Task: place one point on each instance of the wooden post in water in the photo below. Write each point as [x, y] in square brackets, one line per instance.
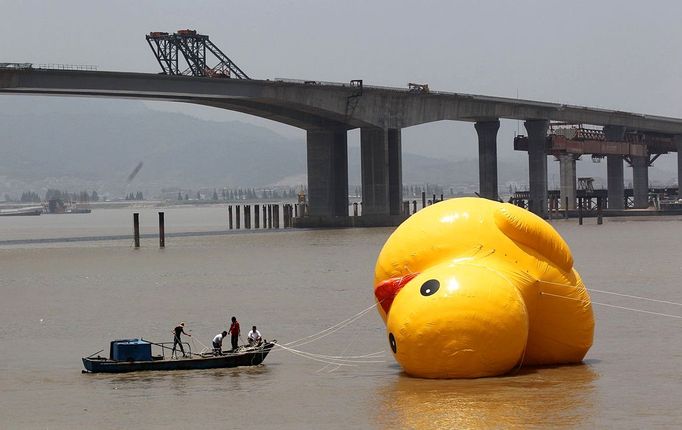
[238, 216]
[136, 229]
[162, 231]
[275, 209]
[423, 199]
[265, 216]
[434, 201]
[580, 211]
[247, 217]
[600, 221]
[414, 206]
[270, 216]
[441, 197]
[229, 216]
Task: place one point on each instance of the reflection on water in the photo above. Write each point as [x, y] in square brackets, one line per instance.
[182, 382]
[561, 396]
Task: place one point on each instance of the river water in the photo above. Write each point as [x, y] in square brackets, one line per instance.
[60, 301]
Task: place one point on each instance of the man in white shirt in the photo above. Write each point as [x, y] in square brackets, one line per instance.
[218, 343]
[254, 336]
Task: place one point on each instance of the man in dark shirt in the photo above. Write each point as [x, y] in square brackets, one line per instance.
[177, 331]
[234, 332]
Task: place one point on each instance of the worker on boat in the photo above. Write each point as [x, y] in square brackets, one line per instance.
[177, 331]
[254, 337]
[218, 343]
[234, 333]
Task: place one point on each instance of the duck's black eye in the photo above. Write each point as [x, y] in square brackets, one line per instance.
[429, 287]
[391, 340]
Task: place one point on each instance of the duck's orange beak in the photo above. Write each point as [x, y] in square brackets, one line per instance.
[386, 291]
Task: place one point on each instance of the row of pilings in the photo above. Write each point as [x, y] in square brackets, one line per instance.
[274, 216]
[265, 216]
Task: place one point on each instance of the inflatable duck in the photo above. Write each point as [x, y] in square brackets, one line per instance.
[471, 287]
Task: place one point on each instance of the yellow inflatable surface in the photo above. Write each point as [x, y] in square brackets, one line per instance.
[471, 287]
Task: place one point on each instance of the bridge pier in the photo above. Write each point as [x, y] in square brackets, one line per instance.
[614, 169]
[537, 165]
[678, 141]
[381, 165]
[567, 179]
[640, 181]
[327, 151]
[487, 158]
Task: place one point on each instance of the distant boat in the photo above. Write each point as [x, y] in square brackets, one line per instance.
[133, 355]
[57, 206]
[30, 211]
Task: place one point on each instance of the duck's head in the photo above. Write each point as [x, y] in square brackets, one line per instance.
[455, 319]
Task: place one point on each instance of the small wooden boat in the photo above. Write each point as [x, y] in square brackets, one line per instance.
[133, 355]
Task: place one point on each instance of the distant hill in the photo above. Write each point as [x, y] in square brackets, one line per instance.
[88, 144]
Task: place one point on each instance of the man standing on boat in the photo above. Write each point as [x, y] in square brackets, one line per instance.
[177, 331]
[218, 343]
[234, 333]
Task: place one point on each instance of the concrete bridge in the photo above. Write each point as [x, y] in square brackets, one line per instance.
[328, 110]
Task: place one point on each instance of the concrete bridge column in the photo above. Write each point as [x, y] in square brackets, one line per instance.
[614, 169]
[567, 179]
[395, 171]
[487, 158]
[382, 172]
[640, 181]
[327, 173]
[678, 141]
[375, 175]
[537, 164]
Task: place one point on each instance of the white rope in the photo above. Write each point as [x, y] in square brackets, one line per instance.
[326, 332]
[336, 362]
[614, 293]
[636, 297]
[613, 306]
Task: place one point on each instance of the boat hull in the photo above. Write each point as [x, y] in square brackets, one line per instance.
[250, 357]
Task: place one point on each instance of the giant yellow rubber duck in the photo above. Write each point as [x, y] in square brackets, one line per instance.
[471, 287]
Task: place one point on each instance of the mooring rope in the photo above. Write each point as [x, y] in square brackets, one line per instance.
[326, 332]
[612, 306]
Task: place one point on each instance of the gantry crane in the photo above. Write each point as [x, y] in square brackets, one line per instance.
[193, 47]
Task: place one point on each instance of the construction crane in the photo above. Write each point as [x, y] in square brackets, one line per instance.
[192, 47]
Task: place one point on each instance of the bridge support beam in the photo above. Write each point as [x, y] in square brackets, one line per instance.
[640, 181]
[327, 175]
[614, 169]
[678, 141]
[381, 165]
[567, 179]
[537, 165]
[395, 171]
[487, 158]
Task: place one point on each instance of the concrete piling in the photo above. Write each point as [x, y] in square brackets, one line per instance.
[136, 229]
[229, 216]
[237, 218]
[247, 217]
[162, 231]
[423, 199]
[256, 216]
[580, 211]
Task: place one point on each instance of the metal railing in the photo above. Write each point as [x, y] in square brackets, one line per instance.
[25, 66]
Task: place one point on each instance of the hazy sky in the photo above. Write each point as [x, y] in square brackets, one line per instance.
[625, 55]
